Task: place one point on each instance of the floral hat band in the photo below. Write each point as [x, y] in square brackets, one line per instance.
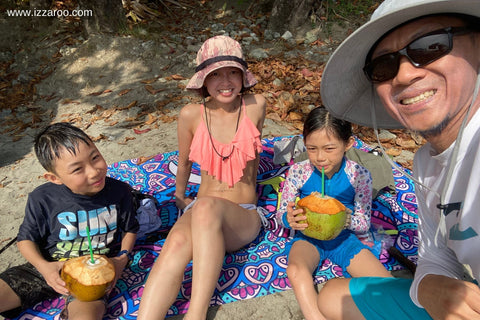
[213, 60]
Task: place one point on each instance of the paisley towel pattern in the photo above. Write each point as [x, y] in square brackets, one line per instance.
[256, 270]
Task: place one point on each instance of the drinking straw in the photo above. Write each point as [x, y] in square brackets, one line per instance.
[90, 246]
[323, 181]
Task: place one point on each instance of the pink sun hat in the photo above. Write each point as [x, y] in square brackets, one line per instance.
[215, 53]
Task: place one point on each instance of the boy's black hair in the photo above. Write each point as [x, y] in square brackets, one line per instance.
[50, 142]
[320, 118]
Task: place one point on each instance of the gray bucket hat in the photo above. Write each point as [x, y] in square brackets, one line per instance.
[345, 90]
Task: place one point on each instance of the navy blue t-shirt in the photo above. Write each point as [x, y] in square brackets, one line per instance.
[56, 219]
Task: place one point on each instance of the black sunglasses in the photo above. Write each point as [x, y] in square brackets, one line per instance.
[419, 52]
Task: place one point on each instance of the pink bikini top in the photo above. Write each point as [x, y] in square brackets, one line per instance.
[246, 143]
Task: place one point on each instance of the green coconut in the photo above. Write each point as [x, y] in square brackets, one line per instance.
[326, 216]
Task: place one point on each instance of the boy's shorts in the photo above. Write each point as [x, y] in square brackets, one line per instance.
[29, 285]
[385, 298]
[340, 250]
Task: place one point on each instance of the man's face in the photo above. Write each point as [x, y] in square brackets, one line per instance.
[427, 99]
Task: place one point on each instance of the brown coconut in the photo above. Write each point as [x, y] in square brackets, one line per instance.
[88, 281]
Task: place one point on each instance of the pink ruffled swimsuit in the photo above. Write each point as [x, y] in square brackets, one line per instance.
[246, 143]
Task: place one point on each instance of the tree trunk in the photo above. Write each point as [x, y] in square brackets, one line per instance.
[290, 14]
[40, 21]
[107, 16]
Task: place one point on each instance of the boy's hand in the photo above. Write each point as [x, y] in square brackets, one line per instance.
[51, 272]
[294, 216]
[119, 263]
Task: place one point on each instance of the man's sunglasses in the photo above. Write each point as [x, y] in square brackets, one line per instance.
[419, 52]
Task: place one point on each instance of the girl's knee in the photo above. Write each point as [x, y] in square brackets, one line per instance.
[295, 271]
[205, 212]
[177, 241]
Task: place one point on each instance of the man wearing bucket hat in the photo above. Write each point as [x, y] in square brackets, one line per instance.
[416, 64]
[222, 135]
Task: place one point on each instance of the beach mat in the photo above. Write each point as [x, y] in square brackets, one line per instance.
[258, 269]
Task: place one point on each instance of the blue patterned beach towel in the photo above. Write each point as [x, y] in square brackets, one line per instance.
[260, 268]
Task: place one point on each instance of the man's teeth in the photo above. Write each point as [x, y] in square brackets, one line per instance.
[418, 98]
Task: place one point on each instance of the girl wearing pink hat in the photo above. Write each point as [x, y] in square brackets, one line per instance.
[222, 135]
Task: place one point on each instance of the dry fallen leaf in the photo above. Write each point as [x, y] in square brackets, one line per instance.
[394, 152]
[100, 137]
[95, 109]
[307, 73]
[67, 101]
[124, 92]
[177, 77]
[152, 90]
[405, 143]
[100, 92]
[295, 116]
[151, 119]
[285, 103]
[273, 116]
[131, 104]
[144, 159]
[108, 113]
[148, 81]
[124, 142]
[168, 119]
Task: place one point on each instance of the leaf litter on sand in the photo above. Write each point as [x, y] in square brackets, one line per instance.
[290, 85]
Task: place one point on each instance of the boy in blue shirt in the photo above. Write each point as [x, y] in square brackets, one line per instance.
[78, 194]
